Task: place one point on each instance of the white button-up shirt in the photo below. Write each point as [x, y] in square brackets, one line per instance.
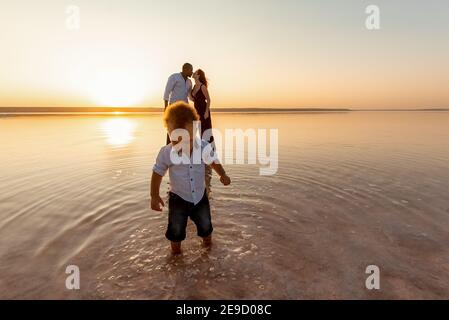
[187, 179]
[177, 89]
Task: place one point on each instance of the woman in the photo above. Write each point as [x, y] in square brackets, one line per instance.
[201, 98]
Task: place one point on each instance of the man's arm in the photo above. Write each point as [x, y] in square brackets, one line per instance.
[156, 201]
[168, 90]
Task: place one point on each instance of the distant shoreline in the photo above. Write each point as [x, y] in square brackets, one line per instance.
[106, 111]
[153, 110]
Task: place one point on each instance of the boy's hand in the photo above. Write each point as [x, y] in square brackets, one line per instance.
[157, 203]
[225, 180]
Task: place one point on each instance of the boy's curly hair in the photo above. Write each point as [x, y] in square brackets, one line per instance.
[179, 114]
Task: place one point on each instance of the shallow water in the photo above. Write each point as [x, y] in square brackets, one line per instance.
[352, 189]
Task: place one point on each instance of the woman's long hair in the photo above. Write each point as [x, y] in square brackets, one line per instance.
[202, 76]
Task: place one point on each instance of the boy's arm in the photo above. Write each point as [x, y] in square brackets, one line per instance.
[218, 168]
[156, 201]
[159, 170]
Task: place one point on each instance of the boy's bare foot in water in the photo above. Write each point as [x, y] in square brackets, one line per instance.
[207, 241]
[176, 247]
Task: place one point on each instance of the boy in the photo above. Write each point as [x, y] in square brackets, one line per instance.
[187, 196]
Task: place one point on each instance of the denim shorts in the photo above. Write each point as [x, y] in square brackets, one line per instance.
[179, 210]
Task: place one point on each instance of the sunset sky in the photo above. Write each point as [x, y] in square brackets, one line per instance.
[264, 53]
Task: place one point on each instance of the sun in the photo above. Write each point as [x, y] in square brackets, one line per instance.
[117, 88]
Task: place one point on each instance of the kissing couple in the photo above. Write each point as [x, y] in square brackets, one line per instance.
[179, 88]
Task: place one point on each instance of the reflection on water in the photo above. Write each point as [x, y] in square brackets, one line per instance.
[119, 131]
[353, 189]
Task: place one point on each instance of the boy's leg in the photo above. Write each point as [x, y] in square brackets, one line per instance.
[200, 215]
[207, 241]
[177, 221]
[175, 247]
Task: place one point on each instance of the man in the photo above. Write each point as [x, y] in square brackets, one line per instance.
[179, 86]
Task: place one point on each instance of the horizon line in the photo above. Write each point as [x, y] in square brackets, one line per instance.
[218, 109]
